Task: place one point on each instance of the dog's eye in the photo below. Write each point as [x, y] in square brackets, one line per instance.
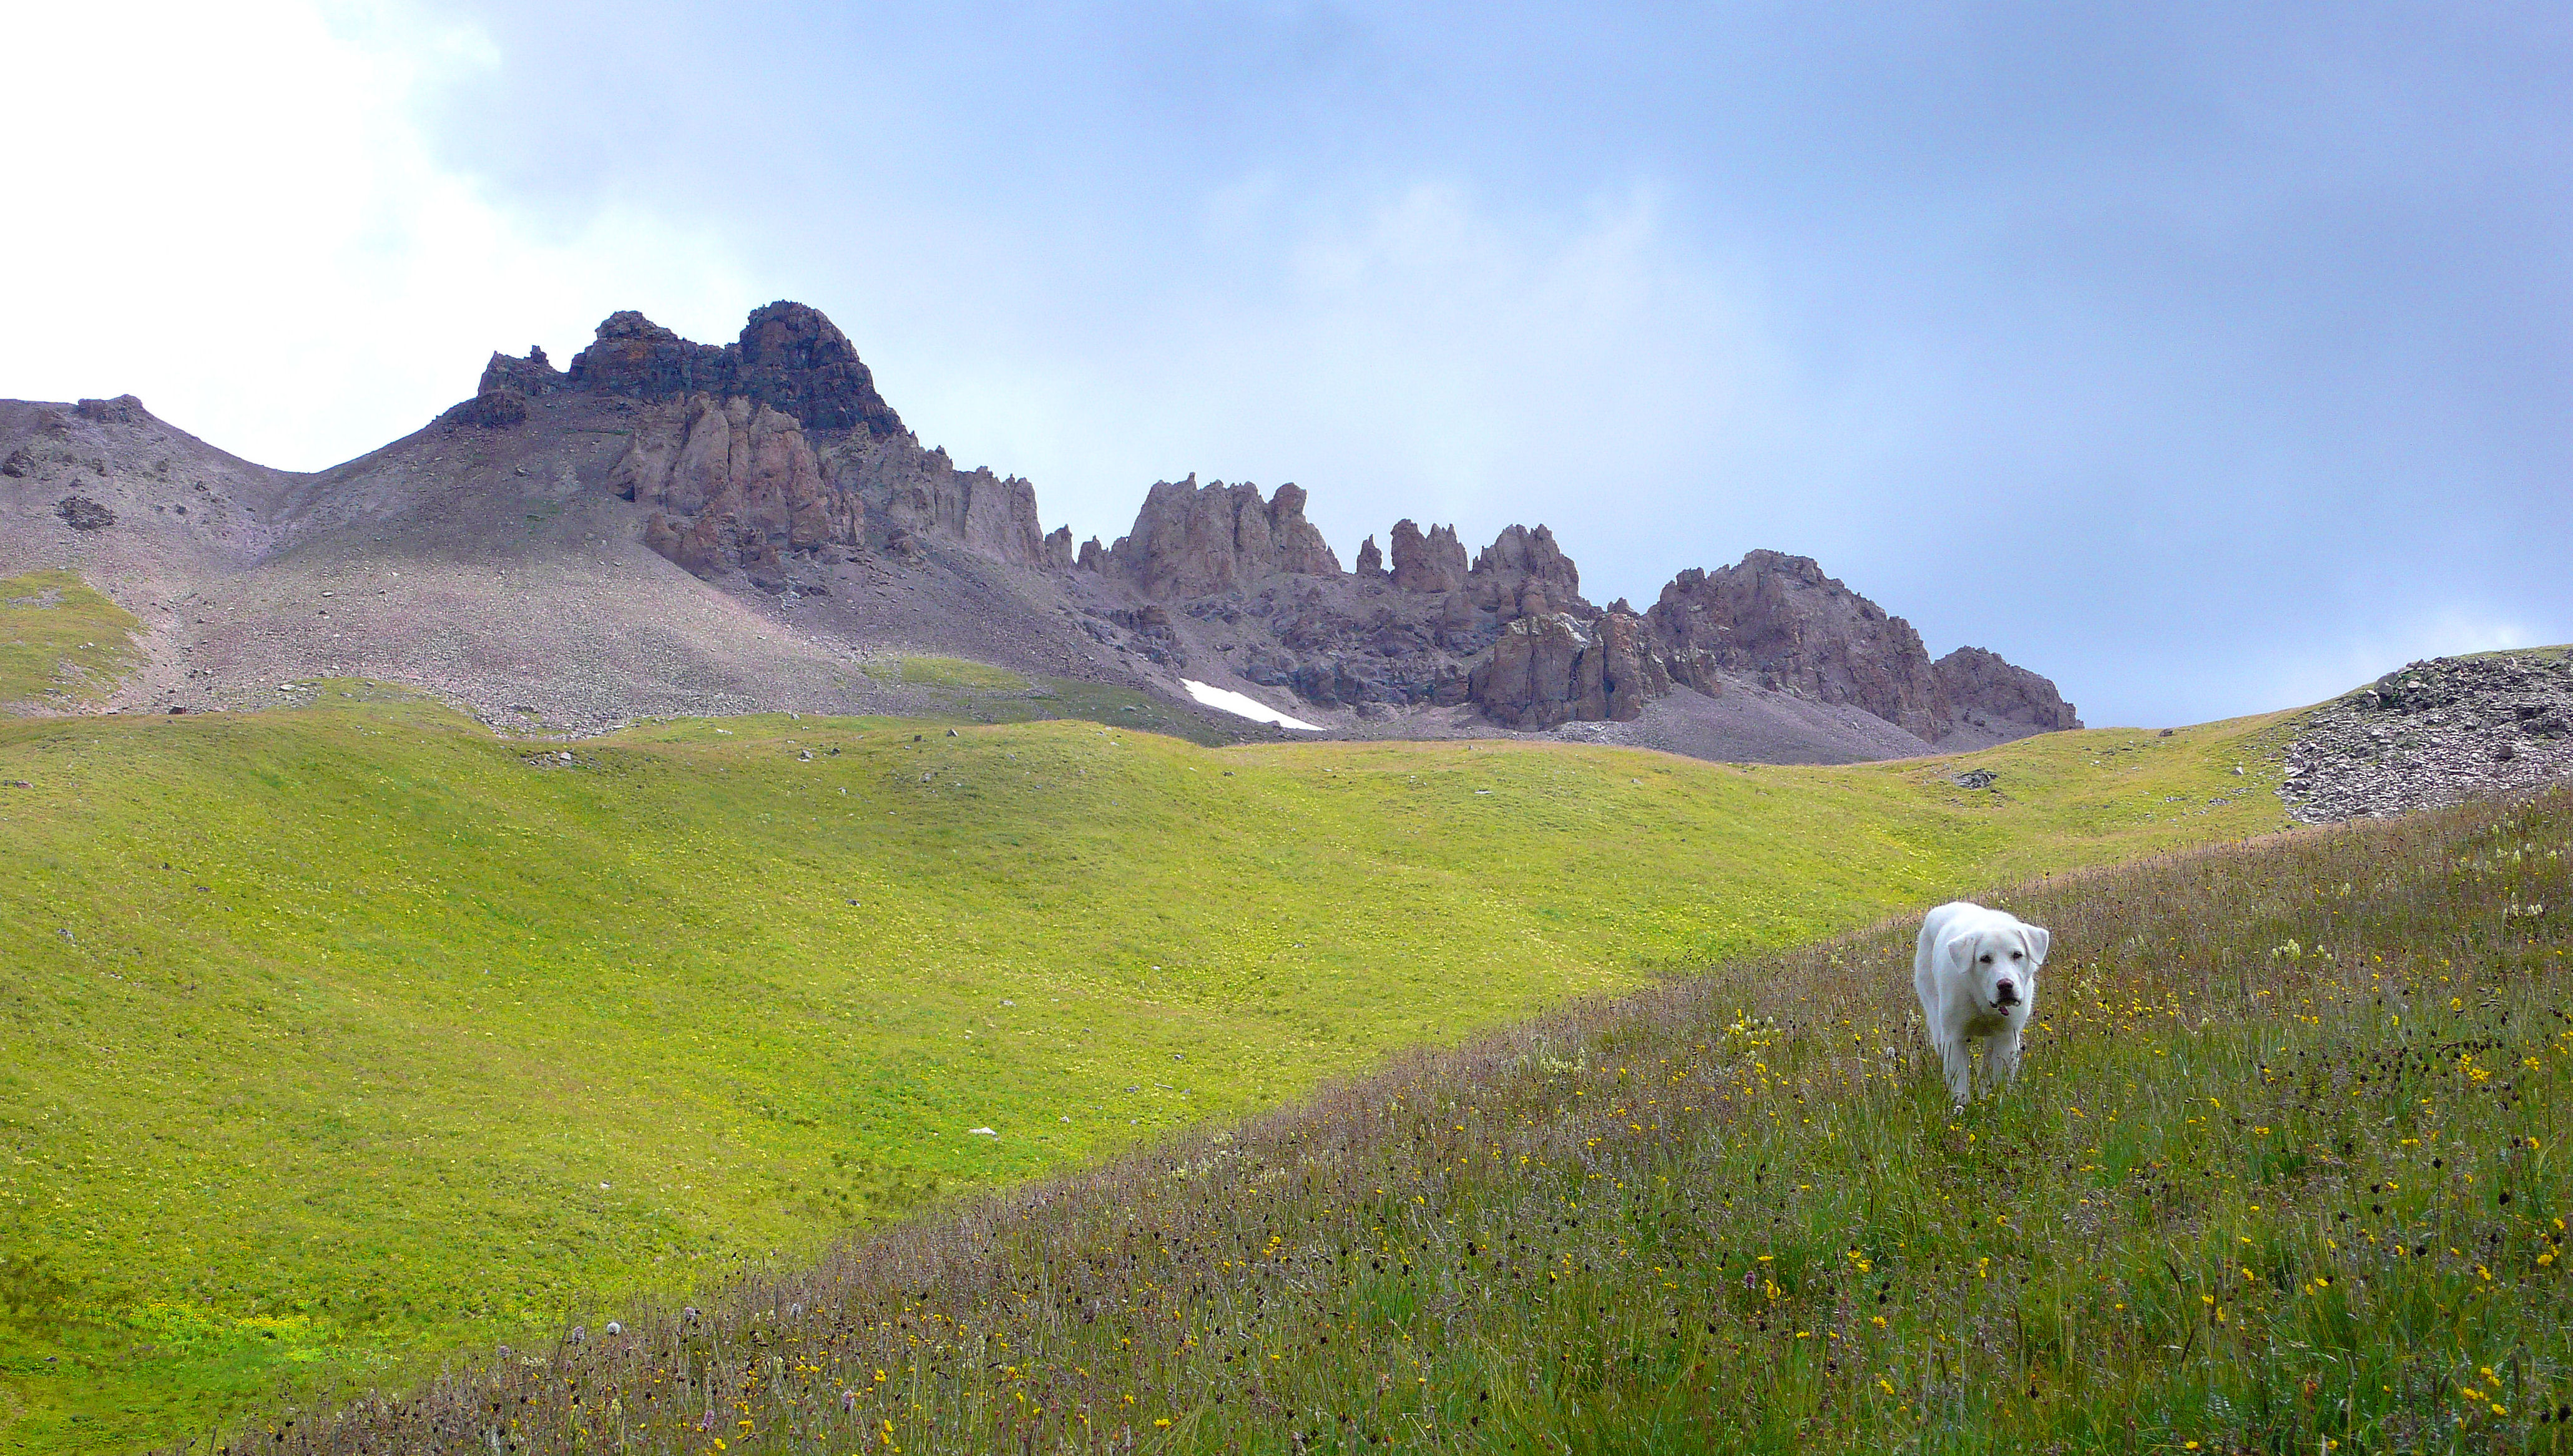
[1987, 957]
[2015, 954]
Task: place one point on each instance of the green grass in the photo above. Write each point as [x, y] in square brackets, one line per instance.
[976, 692]
[62, 645]
[950, 672]
[350, 1036]
[2283, 1172]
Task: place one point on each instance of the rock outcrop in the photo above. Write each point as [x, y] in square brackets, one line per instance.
[1433, 564]
[1548, 669]
[1988, 693]
[773, 446]
[2433, 733]
[84, 515]
[734, 482]
[789, 358]
[912, 492]
[1779, 619]
[535, 375]
[1191, 540]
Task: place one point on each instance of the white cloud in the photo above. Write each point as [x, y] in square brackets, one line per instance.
[232, 212]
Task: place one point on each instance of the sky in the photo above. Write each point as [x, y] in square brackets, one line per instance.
[2208, 358]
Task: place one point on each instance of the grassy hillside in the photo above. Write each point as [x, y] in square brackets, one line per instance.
[62, 644]
[347, 1033]
[2282, 1175]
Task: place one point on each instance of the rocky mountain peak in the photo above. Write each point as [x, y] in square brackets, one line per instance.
[792, 358]
[789, 358]
[1783, 621]
[1990, 694]
[1781, 618]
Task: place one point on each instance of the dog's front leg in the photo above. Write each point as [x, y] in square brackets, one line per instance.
[2001, 1058]
[1954, 1054]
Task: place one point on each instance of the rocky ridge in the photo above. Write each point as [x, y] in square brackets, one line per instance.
[771, 470]
[2434, 732]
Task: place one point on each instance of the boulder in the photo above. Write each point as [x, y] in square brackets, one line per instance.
[84, 515]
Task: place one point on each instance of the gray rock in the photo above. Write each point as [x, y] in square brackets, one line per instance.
[84, 515]
[2433, 733]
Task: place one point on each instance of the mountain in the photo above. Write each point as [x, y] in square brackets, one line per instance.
[673, 527]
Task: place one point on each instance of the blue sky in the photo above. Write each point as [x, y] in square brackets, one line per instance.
[2208, 358]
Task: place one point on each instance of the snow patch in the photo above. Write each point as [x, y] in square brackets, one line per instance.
[1241, 706]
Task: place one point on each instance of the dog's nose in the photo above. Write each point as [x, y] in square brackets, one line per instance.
[2006, 993]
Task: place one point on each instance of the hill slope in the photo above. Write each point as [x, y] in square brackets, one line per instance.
[353, 1028]
[2282, 1174]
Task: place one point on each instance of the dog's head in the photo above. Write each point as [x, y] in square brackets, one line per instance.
[1999, 963]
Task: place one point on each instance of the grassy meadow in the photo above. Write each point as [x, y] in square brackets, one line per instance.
[336, 1040]
[62, 644]
[2283, 1172]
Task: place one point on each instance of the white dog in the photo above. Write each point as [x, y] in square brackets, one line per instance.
[1976, 973]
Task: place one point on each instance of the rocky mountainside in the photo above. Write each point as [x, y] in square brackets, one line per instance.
[669, 526]
[2433, 733]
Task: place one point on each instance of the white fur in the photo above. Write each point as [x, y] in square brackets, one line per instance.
[1965, 954]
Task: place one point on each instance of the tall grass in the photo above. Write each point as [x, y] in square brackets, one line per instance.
[345, 1036]
[2281, 1174]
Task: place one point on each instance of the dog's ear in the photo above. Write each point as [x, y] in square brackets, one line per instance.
[2038, 937]
[1960, 953]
